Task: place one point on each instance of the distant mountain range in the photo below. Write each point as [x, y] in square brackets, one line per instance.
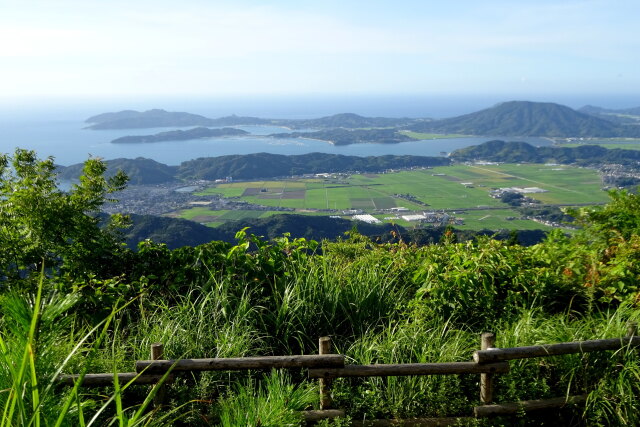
[508, 119]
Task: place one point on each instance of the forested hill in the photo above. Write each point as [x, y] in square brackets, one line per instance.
[265, 165]
[523, 118]
[512, 152]
[140, 171]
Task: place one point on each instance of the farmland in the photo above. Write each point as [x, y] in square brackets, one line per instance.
[461, 190]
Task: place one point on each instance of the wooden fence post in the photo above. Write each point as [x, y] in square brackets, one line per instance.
[157, 352]
[324, 347]
[487, 340]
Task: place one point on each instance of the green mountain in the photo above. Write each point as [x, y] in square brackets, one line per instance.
[180, 135]
[524, 118]
[140, 171]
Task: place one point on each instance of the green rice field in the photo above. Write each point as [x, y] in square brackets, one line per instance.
[463, 188]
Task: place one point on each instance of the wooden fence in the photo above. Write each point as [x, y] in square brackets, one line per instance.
[325, 366]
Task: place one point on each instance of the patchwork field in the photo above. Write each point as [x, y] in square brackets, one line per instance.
[463, 189]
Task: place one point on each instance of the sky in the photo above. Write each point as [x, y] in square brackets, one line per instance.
[112, 48]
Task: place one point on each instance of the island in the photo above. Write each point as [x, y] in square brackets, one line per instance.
[181, 135]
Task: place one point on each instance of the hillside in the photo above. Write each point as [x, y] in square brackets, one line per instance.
[524, 118]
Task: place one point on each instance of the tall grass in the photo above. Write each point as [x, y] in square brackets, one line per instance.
[37, 343]
[276, 402]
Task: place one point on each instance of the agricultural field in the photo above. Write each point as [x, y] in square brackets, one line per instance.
[462, 190]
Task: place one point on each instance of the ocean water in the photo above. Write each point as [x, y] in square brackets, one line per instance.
[56, 128]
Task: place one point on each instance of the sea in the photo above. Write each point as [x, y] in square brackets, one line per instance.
[57, 127]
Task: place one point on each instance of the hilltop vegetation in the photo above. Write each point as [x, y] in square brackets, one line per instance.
[75, 301]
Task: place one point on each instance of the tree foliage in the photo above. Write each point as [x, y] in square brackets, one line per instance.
[40, 223]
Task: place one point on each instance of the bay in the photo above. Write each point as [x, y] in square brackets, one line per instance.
[69, 143]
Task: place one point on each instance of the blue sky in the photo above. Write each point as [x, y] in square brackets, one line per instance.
[183, 48]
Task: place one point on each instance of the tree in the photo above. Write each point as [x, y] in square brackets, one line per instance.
[39, 223]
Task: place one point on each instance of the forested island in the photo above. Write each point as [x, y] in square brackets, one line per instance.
[181, 135]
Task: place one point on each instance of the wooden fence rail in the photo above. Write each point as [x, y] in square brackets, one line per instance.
[325, 366]
[405, 369]
[241, 363]
[493, 355]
